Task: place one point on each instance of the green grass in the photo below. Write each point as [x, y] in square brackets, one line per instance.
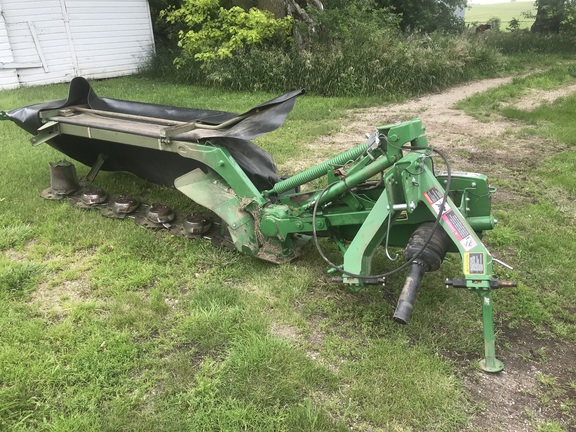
[492, 103]
[111, 327]
[482, 13]
[107, 326]
[545, 246]
[538, 234]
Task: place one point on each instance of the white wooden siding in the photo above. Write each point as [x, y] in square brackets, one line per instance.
[49, 41]
[8, 76]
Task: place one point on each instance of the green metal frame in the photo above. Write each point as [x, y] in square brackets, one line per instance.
[274, 224]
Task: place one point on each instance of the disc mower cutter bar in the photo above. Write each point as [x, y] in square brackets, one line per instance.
[381, 193]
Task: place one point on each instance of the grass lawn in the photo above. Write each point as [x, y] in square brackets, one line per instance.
[482, 13]
[107, 326]
[111, 327]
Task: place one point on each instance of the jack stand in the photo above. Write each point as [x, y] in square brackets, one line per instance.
[89, 178]
[490, 363]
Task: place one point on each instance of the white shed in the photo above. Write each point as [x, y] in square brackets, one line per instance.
[50, 41]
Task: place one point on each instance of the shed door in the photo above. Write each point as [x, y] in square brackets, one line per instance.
[38, 41]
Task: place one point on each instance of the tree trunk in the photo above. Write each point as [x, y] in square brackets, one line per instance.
[297, 9]
[549, 16]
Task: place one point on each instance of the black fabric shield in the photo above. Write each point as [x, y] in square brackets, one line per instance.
[164, 167]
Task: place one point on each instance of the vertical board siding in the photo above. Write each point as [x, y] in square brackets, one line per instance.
[59, 39]
[123, 30]
[8, 75]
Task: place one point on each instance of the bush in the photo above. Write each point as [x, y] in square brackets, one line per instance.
[353, 50]
[391, 66]
[526, 42]
[214, 32]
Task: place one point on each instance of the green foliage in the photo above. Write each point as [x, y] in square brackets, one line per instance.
[388, 65]
[355, 48]
[214, 32]
[495, 23]
[513, 25]
[555, 16]
[358, 22]
[427, 15]
[526, 42]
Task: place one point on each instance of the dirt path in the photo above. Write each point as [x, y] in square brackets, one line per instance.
[514, 400]
[469, 143]
[443, 123]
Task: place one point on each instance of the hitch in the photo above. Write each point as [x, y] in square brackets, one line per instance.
[381, 193]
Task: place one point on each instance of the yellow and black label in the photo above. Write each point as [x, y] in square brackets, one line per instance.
[402, 216]
[474, 263]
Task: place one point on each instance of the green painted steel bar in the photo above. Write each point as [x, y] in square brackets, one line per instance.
[371, 170]
[358, 256]
[318, 170]
[490, 363]
[472, 251]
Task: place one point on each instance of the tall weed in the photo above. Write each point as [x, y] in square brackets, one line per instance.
[389, 64]
[526, 42]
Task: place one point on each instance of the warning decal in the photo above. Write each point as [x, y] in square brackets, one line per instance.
[433, 195]
[402, 216]
[456, 224]
[452, 220]
[474, 263]
[468, 243]
[434, 198]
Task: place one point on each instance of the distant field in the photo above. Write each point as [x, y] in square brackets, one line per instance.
[505, 11]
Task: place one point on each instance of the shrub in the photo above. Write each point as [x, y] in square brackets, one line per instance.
[214, 32]
[391, 66]
[355, 49]
[526, 42]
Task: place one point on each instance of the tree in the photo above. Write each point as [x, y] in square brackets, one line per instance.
[549, 16]
[426, 15]
[299, 11]
[554, 16]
